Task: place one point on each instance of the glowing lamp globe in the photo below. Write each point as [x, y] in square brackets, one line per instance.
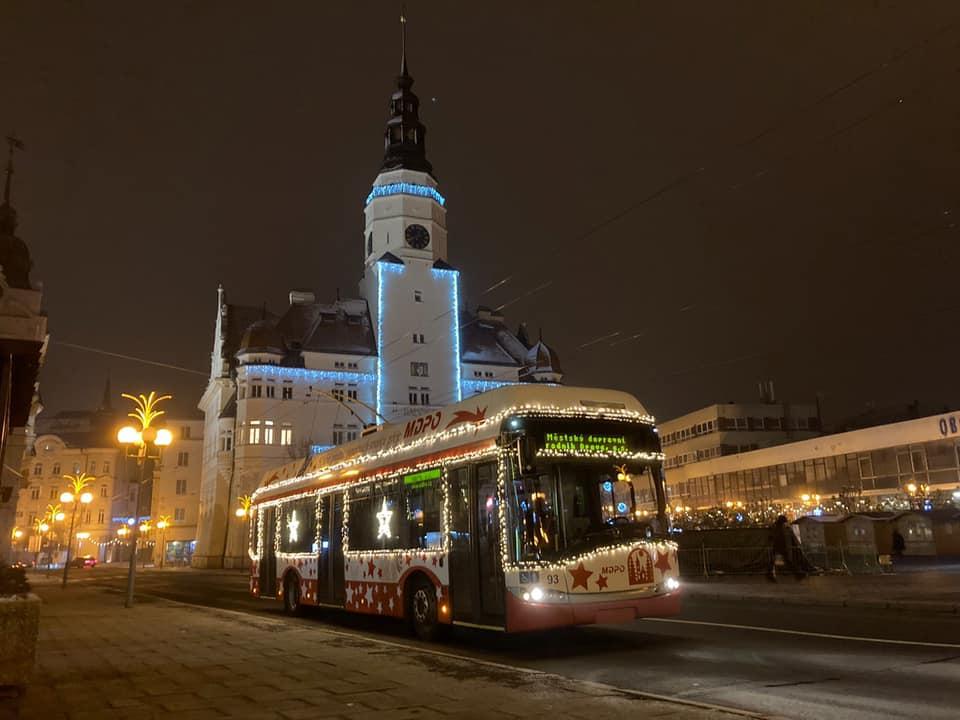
[66, 497]
[162, 524]
[144, 527]
[240, 512]
[82, 535]
[128, 435]
[59, 516]
[122, 530]
[86, 498]
[44, 527]
[164, 437]
[18, 534]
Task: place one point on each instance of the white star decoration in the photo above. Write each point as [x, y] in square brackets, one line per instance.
[292, 525]
[369, 595]
[383, 517]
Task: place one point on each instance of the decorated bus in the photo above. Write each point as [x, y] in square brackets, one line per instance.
[523, 508]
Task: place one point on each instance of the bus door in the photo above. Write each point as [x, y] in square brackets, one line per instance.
[490, 570]
[337, 590]
[268, 560]
[323, 552]
[461, 562]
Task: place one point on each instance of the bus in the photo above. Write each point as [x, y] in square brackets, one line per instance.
[523, 508]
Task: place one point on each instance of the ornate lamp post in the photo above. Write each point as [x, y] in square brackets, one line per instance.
[144, 444]
[243, 512]
[78, 496]
[162, 523]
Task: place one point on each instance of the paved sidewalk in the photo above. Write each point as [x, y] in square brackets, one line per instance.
[98, 661]
[923, 590]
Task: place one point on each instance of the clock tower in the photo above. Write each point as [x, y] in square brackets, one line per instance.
[412, 292]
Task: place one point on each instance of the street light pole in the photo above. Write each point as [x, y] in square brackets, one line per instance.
[144, 444]
[77, 497]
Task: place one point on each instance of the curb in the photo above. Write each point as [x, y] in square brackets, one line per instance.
[925, 606]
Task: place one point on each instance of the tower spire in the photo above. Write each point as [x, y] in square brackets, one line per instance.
[404, 138]
[403, 40]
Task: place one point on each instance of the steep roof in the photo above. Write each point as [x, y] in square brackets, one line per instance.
[486, 339]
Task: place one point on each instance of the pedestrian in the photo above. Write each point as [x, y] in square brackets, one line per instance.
[899, 544]
[785, 551]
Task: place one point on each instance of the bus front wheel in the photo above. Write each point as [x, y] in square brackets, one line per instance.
[291, 595]
[423, 609]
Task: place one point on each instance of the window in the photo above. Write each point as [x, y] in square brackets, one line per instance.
[424, 396]
[866, 467]
[35, 493]
[417, 296]
[76, 468]
[352, 365]
[477, 373]
[286, 434]
[337, 393]
[412, 395]
[106, 467]
[181, 486]
[338, 364]
[185, 432]
[369, 243]
[100, 517]
[271, 391]
[419, 369]
[179, 514]
[256, 390]
[488, 374]
[38, 469]
[93, 467]
[418, 338]
[352, 392]
[351, 435]
[53, 493]
[268, 432]
[103, 491]
[253, 434]
[243, 392]
[287, 393]
[183, 459]
[298, 526]
[338, 435]
[56, 469]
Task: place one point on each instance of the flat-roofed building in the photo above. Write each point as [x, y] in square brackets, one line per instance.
[916, 457]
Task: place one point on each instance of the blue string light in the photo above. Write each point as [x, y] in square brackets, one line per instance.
[472, 386]
[291, 373]
[382, 267]
[317, 449]
[454, 325]
[403, 188]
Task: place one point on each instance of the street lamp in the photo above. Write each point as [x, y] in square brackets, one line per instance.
[162, 523]
[144, 444]
[78, 496]
[243, 512]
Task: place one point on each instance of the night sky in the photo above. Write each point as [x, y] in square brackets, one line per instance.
[737, 190]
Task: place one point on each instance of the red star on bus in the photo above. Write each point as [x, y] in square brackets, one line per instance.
[663, 561]
[580, 577]
[602, 582]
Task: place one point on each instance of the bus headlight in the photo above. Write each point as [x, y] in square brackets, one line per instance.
[536, 594]
[672, 583]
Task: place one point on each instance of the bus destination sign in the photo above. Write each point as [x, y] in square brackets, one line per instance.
[424, 477]
[584, 443]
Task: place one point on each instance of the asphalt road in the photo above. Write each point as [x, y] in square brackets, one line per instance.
[794, 662]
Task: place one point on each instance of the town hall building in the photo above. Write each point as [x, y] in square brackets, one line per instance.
[286, 385]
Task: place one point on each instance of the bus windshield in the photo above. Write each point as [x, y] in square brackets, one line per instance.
[565, 508]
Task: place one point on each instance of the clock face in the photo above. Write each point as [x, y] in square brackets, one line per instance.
[417, 236]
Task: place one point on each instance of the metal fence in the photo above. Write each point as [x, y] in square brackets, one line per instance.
[706, 561]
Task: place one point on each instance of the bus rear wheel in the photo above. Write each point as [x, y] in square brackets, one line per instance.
[291, 596]
[423, 609]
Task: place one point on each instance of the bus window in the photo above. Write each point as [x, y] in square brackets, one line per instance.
[423, 527]
[373, 517]
[534, 504]
[298, 526]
